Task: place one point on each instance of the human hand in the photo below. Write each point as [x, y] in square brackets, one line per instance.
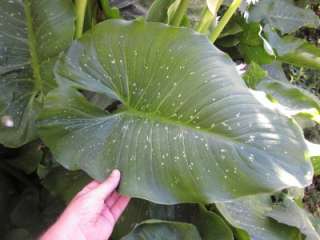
[92, 213]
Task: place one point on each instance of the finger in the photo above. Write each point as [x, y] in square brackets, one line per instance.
[89, 187]
[118, 208]
[108, 186]
[112, 199]
[106, 213]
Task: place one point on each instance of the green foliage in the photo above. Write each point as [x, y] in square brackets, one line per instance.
[172, 12]
[254, 75]
[284, 45]
[177, 11]
[288, 212]
[293, 100]
[110, 12]
[155, 229]
[307, 55]
[253, 46]
[158, 11]
[157, 100]
[293, 50]
[283, 15]
[169, 125]
[251, 214]
[207, 222]
[316, 165]
[29, 48]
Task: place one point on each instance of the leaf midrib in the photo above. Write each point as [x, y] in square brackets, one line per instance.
[165, 120]
[32, 47]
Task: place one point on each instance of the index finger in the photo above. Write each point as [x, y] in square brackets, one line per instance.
[108, 186]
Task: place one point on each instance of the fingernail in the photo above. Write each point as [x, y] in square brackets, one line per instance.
[115, 173]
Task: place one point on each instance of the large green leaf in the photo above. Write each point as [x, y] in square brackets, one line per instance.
[250, 214]
[307, 55]
[288, 212]
[208, 223]
[32, 34]
[275, 71]
[137, 211]
[189, 130]
[283, 15]
[283, 45]
[294, 50]
[159, 230]
[292, 100]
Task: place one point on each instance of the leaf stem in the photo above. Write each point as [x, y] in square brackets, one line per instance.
[206, 20]
[209, 16]
[32, 46]
[81, 6]
[224, 20]
[180, 13]
[106, 8]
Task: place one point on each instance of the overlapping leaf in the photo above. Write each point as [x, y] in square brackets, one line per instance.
[288, 212]
[189, 130]
[282, 46]
[250, 214]
[293, 50]
[253, 46]
[32, 34]
[156, 230]
[158, 12]
[254, 74]
[307, 55]
[283, 15]
[291, 99]
[208, 223]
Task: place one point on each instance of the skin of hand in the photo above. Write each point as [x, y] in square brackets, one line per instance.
[91, 214]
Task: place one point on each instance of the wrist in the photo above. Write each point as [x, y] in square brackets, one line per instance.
[62, 230]
[55, 232]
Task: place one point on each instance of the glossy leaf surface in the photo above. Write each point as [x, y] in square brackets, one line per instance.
[292, 100]
[250, 214]
[32, 34]
[207, 222]
[288, 212]
[283, 15]
[158, 230]
[158, 12]
[189, 130]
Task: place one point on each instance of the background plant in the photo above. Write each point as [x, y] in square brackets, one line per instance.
[83, 92]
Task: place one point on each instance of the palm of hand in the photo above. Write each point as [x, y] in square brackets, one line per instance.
[93, 212]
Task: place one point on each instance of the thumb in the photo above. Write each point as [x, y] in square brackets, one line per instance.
[108, 186]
